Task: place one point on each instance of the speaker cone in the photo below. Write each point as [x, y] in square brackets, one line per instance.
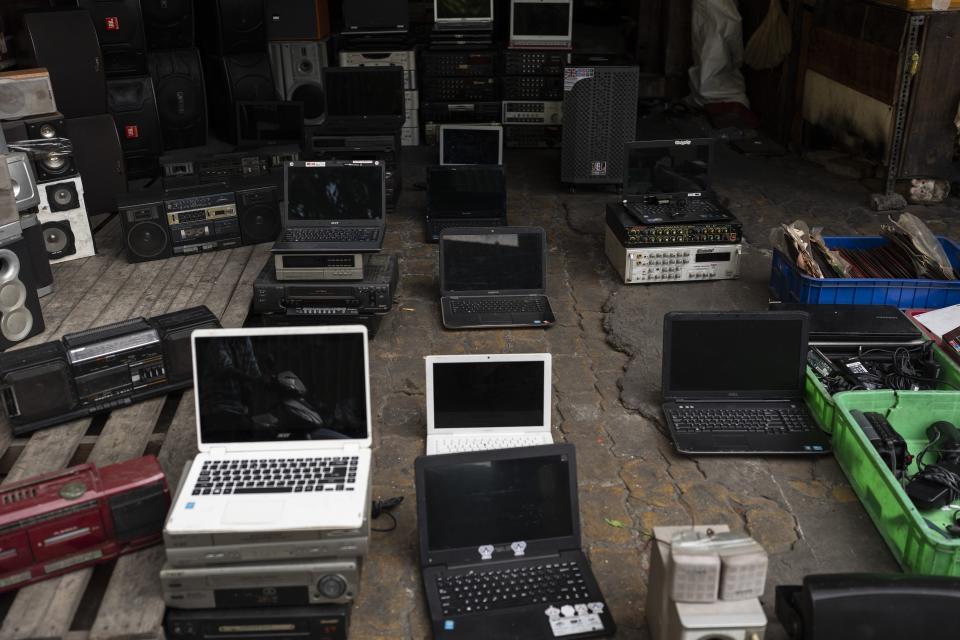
[47, 130]
[58, 239]
[312, 97]
[17, 324]
[55, 163]
[9, 265]
[63, 196]
[260, 223]
[147, 239]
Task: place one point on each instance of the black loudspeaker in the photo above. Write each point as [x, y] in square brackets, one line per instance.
[168, 24]
[20, 315]
[119, 28]
[62, 196]
[47, 126]
[59, 240]
[175, 329]
[99, 158]
[37, 250]
[258, 208]
[298, 70]
[145, 232]
[50, 167]
[233, 78]
[133, 105]
[65, 43]
[297, 19]
[181, 103]
[231, 26]
[37, 381]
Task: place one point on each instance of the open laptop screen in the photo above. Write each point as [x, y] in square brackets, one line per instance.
[459, 190]
[324, 191]
[364, 91]
[464, 9]
[272, 388]
[263, 123]
[470, 395]
[471, 144]
[497, 501]
[541, 19]
[492, 261]
[735, 354]
[671, 166]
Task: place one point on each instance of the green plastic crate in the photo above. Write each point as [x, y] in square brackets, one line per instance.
[824, 409]
[917, 547]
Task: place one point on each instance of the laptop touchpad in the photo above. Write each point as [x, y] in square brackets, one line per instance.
[731, 443]
[252, 511]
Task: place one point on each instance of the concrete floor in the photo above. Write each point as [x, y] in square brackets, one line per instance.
[606, 349]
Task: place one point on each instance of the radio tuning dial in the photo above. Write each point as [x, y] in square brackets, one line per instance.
[331, 587]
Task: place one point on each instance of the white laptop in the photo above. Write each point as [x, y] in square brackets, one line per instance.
[478, 402]
[283, 429]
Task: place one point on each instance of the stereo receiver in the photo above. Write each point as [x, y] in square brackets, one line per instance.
[532, 112]
[634, 235]
[674, 264]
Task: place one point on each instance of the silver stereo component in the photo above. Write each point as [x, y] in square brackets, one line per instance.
[532, 112]
[276, 584]
[406, 60]
[271, 551]
[23, 180]
[673, 264]
[318, 266]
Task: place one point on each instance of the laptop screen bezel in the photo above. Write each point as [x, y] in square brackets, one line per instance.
[667, 144]
[433, 210]
[502, 551]
[545, 358]
[278, 105]
[734, 394]
[357, 119]
[486, 231]
[287, 445]
[376, 222]
[481, 20]
[549, 38]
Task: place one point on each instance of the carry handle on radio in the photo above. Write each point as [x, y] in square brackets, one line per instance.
[87, 468]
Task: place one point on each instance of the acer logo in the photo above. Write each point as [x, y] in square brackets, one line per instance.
[682, 143]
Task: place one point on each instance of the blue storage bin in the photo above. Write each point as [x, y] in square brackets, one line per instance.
[789, 285]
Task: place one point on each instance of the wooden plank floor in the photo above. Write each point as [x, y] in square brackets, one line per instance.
[119, 599]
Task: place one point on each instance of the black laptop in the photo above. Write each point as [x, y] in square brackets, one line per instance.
[333, 206]
[500, 546]
[494, 278]
[842, 327]
[668, 182]
[363, 99]
[733, 383]
[266, 123]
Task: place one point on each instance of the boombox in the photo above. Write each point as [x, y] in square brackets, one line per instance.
[64, 221]
[60, 522]
[318, 622]
[99, 369]
[292, 583]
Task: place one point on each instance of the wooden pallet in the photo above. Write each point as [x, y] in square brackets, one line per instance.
[119, 599]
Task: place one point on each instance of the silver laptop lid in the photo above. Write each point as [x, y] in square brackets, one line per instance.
[334, 193]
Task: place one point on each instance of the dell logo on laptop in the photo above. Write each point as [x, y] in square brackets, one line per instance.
[682, 143]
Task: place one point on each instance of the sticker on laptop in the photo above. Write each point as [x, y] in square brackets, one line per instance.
[518, 548]
[486, 552]
[190, 505]
[571, 620]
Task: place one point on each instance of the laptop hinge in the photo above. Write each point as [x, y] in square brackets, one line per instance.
[498, 561]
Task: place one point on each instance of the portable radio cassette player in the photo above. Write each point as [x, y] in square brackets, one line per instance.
[203, 221]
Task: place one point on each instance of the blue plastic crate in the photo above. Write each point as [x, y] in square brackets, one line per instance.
[789, 285]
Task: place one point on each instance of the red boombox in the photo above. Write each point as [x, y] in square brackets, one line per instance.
[81, 516]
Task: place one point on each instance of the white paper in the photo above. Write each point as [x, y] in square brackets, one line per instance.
[940, 321]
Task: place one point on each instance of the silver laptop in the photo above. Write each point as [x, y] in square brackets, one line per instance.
[479, 402]
[283, 429]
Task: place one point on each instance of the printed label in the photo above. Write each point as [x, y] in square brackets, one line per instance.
[598, 168]
[486, 552]
[573, 625]
[112, 23]
[131, 131]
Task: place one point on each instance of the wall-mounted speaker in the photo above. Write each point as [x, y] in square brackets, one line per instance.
[20, 315]
[168, 24]
[233, 78]
[258, 208]
[133, 105]
[231, 26]
[297, 70]
[297, 19]
[99, 158]
[181, 102]
[36, 249]
[25, 93]
[145, 233]
[22, 180]
[119, 28]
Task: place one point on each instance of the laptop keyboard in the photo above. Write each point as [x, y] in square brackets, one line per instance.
[330, 234]
[687, 419]
[277, 475]
[498, 304]
[511, 587]
[483, 443]
[693, 208]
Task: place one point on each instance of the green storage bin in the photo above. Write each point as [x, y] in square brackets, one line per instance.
[917, 547]
[824, 409]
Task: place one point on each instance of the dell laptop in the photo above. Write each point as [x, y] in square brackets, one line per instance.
[733, 383]
[283, 428]
[363, 99]
[477, 402]
[500, 546]
[333, 206]
[494, 278]
[668, 182]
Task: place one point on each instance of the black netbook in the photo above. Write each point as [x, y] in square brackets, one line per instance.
[494, 278]
[733, 383]
[840, 327]
[500, 546]
[361, 99]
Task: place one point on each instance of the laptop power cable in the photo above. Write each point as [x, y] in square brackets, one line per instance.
[384, 508]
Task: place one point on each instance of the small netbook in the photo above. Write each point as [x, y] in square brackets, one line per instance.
[733, 382]
[494, 278]
[496, 401]
[283, 428]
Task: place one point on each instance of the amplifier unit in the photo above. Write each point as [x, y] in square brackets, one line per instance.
[534, 63]
[634, 235]
[374, 294]
[330, 317]
[318, 622]
[454, 112]
[532, 136]
[82, 516]
[202, 219]
[461, 89]
[292, 583]
[318, 266]
[533, 88]
[458, 63]
[406, 60]
[532, 112]
[99, 369]
[435, 226]
[25, 93]
[673, 264]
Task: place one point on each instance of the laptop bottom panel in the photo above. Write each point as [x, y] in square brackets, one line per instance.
[773, 428]
[480, 312]
[440, 444]
[480, 602]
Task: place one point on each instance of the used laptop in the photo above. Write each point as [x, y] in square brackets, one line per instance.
[333, 206]
[363, 99]
[283, 428]
[496, 401]
[471, 144]
[494, 278]
[733, 383]
[840, 327]
[668, 182]
[463, 15]
[500, 546]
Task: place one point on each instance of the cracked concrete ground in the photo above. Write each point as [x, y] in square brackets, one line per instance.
[606, 350]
